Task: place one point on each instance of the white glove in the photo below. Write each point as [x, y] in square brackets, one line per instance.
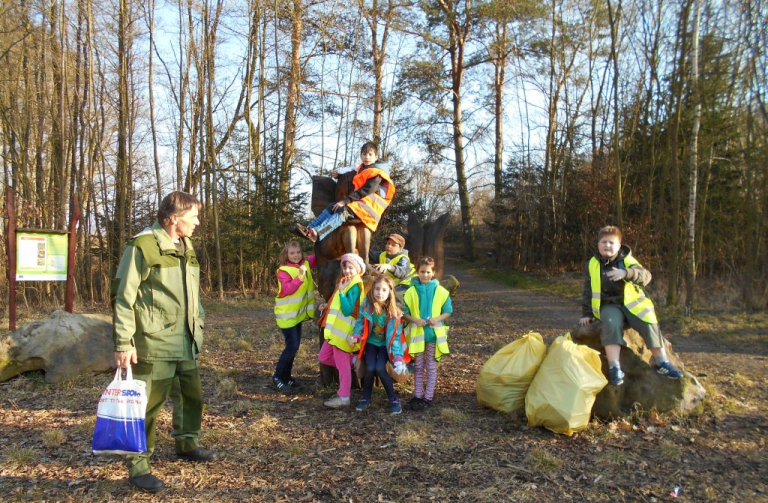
[400, 368]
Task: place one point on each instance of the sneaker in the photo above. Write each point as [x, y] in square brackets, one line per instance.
[418, 404]
[363, 404]
[305, 232]
[616, 376]
[293, 383]
[669, 370]
[395, 408]
[413, 403]
[282, 387]
[336, 402]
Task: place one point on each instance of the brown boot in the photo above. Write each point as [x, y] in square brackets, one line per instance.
[305, 232]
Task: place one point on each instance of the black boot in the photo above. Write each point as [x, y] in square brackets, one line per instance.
[147, 483]
[199, 455]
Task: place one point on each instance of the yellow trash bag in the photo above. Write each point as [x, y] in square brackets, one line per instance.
[506, 375]
[561, 395]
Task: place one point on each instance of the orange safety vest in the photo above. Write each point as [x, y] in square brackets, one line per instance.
[370, 208]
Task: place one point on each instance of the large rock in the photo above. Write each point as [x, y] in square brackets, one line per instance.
[64, 346]
[642, 385]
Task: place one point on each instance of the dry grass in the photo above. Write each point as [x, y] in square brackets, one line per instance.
[226, 388]
[53, 438]
[453, 416]
[670, 451]
[21, 455]
[413, 434]
[541, 460]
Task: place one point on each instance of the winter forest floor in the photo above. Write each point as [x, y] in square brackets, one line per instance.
[291, 448]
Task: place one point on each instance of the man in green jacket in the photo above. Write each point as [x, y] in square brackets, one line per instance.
[158, 327]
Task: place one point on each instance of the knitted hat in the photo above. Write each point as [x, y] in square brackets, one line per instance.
[355, 259]
[397, 238]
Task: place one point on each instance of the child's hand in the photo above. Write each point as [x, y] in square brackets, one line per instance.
[616, 274]
[421, 323]
[382, 268]
[585, 321]
[321, 306]
[339, 206]
[303, 270]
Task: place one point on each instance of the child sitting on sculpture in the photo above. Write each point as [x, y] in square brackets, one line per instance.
[613, 294]
[373, 192]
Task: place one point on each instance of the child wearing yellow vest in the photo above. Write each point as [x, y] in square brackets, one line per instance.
[613, 294]
[295, 302]
[394, 263]
[427, 306]
[380, 332]
[339, 344]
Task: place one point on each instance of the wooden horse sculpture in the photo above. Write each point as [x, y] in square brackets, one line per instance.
[352, 237]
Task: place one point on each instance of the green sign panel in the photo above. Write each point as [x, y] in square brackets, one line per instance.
[41, 256]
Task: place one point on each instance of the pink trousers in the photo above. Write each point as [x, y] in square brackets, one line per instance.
[334, 357]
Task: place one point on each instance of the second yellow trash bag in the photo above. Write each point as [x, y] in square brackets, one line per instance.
[506, 375]
[561, 395]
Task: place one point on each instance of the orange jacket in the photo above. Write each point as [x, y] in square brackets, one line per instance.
[370, 208]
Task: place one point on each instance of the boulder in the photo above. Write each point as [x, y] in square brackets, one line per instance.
[642, 385]
[64, 346]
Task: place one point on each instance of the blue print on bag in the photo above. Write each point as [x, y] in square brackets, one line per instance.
[119, 435]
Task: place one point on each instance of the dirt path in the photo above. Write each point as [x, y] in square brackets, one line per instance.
[490, 306]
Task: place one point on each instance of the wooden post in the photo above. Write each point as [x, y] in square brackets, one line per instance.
[74, 216]
[11, 234]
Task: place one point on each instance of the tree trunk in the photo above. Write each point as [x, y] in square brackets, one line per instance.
[690, 272]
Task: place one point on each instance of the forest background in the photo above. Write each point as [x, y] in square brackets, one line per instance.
[534, 123]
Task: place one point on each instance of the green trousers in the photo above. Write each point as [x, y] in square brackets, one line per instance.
[181, 381]
[614, 316]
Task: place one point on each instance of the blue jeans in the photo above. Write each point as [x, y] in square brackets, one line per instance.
[376, 358]
[292, 342]
[328, 221]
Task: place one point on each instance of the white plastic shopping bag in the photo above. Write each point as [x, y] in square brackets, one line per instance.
[120, 417]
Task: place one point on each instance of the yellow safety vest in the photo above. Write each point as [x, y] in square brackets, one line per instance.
[393, 262]
[634, 297]
[414, 335]
[339, 328]
[300, 305]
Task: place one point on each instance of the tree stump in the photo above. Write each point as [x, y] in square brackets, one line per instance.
[642, 387]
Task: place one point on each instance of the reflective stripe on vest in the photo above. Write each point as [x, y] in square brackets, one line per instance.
[370, 208]
[414, 335]
[339, 328]
[634, 298]
[393, 262]
[300, 305]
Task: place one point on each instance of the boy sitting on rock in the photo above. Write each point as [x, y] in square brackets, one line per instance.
[613, 294]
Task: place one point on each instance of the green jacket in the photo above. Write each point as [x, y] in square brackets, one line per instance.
[156, 300]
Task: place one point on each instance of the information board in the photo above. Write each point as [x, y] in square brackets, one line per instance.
[41, 256]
